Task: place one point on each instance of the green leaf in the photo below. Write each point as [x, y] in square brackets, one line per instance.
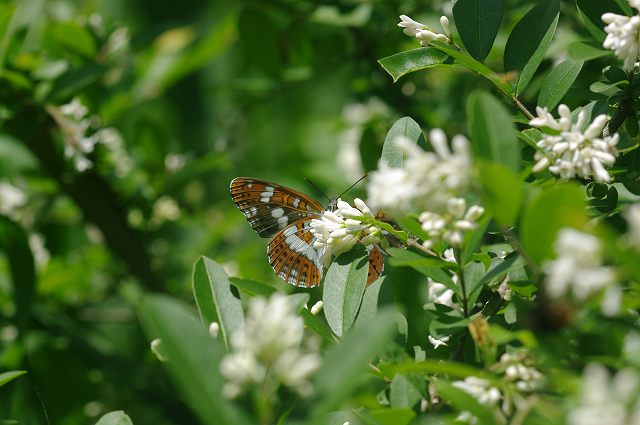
[501, 191]
[75, 38]
[475, 66]
[429, 266]
[216, 303]
[15, 243]
[473, 273]
[253, 287]
[433, 366]
[492, 131]
[405, 127]
[472, 243]
[6, 377]
[115, 418]
[346, 363]
[392, 416]
[344, 285]
[193, 358]
[528, 42]
[478, 22]
[560, 206]
[403, 393]
[586, 51]
[558, 82]
[591, 13]
[464, 401]
[404, 63]
[369, 306]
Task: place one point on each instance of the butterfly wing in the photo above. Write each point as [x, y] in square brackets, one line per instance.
[270, 207]
[293, 256]
[376, 264]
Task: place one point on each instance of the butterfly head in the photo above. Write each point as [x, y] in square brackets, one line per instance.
[333, 204]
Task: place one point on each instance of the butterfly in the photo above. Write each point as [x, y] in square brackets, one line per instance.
[285, 215]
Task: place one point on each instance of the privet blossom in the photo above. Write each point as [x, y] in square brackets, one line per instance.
[336, 232]
[623, 35]
[269, 347]
[427, 181]
[450, 226]
[607, 400]
[481, 390]
[578, 270]
[574, 150]
[423, 33]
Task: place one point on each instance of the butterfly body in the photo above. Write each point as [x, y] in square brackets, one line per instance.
[285, 215]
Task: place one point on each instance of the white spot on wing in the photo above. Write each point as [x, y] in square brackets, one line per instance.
[296, 202]
[277, 213]
[282, 221]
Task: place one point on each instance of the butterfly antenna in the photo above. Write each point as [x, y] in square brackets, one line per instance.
[351, 187]
[317, 188]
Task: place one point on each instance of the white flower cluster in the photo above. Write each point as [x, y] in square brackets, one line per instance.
[437, 342]
[427, 180]
[74, 122]
[269, 347]
[450, 226]
[422, 32]
[607, 400]
[578, 270]
[482, 391]
[338, 231]
[623, 35]
[526, 378]
[11, 199]
[573, 150]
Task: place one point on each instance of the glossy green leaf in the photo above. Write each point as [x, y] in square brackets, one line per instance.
[404, 63]
[344, 284]
[473, 273]
[369, 306]
[193, 358]
[405, 127]
[586, 51]
[501, 191]
[492, 131]
[6, 377]
[463, 401]
[346, 364]
[591, 13]
[15, 244]
[429, 266]
[403, 393]
[477, 22]
[558, 82]
[528, 42]
[392, 416]
[560, 206]
[474, 65]
[115, 418]
[215, 301]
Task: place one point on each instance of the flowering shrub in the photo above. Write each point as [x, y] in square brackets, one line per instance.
[510, 292]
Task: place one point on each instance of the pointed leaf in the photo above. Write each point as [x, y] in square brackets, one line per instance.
[10, 376]
[344, 285]
[216, 303]
[403, 128]
[558, 82]
[501, 191]
[492, 132]
[586, 51]
[403, 393]
[478, 22]
[404, 63]
[193, 358]
[591, 13]
[528, 42]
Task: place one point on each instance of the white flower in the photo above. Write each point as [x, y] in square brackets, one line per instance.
[439, 293]
[437, 342]
[606, 400]
[214, 329]
[450, 226]
[426, 181]
[316, 308]
[156, 348]
[422, 32]
[11, 198]
[270, 341]
[578, 267]
[165, 209]
[336, 232]
[482, 391]
[524, 377]
[574, 151]
[40, 253]
[623, 36]
[632, 214]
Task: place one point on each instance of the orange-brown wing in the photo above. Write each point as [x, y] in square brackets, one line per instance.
[293, 257]
[376, 264]
[270, 207]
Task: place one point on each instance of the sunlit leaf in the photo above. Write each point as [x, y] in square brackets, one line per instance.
[6, 377]
[403, 128]
[558, 82]
[115, 418]
[414, 60]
